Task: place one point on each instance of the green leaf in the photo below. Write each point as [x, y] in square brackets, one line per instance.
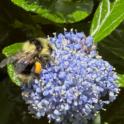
[112, 48]
[12, 49]
[9, 51]
[97, 119]
[107, 17]
[121, 80]
[60, 11]
[12, 74]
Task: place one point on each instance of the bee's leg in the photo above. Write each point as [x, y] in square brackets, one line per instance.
[6, 61]
[3, 63]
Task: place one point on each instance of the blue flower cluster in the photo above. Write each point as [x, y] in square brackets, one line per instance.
[76, 85]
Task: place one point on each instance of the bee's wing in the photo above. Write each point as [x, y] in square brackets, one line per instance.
[8, 60]
[20, 67]
[25, 60]
[20, 57]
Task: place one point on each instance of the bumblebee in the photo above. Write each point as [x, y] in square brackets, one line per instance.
[29, 62]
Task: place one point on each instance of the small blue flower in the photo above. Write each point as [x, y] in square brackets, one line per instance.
[76, 85]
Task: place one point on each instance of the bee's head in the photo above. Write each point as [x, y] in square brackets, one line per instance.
[44, 49]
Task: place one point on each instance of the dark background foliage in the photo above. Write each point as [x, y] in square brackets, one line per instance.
[17, 25]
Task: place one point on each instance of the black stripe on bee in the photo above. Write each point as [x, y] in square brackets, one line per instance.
[37, 43]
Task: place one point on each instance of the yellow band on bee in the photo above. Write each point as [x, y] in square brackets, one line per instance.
[38, 67]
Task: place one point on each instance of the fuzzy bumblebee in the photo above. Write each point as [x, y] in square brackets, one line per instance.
[29, 62]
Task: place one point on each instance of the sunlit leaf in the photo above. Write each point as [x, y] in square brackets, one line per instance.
[112, 48]
[9, 51]
[59, 11]
[107, 17]
[97, 119]
[12, 49]
[121, 80]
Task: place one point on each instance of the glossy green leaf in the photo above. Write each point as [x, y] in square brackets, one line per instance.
[12, 49]
[9, 51]
[112, 48]
[121, 80]
[97, 119]
[60, 11]
[12, 74]
[107, 17]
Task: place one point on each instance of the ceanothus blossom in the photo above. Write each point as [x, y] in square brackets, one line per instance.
[76, 85]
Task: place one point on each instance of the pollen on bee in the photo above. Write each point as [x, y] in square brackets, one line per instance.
[38, 67]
